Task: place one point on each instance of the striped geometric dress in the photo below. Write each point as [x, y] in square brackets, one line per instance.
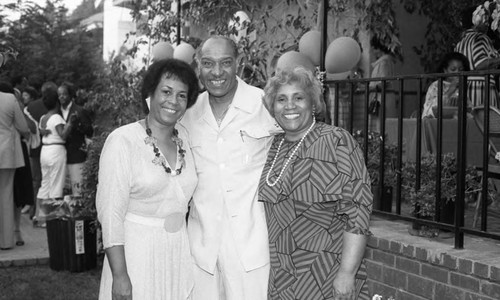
[478, 47]
[324, 192]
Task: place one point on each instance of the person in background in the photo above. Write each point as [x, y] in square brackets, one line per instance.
[317, 197]
[146, 178]
[35, 110]
[230, 134]
[18, 82]
[478, 47]
[54, 131]
[383, 66]
[75, 142]
[12, 125]
[452, 62]
[23, 190]
[29, 94]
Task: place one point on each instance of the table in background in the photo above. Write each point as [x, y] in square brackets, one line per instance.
[429, 138]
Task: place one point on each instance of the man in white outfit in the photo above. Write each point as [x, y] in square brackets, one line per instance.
[230, 134]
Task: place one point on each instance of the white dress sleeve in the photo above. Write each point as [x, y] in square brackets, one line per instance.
[114, 185]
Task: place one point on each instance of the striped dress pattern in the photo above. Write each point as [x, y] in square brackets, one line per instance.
[478, 47]
[324, 191]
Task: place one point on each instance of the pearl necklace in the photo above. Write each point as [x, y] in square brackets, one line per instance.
[159, 159]
[269, 183]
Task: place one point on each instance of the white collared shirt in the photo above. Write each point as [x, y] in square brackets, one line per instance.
[65, 111]
[229, 161]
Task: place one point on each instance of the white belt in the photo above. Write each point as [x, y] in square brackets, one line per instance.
[150, 221]
[170, 223]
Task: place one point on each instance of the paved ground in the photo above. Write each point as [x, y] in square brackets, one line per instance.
[35, 249]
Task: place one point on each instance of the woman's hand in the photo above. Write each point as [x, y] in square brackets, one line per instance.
[121, 288]
[344, 286]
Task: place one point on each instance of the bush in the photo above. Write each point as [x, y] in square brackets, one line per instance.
[114, 101]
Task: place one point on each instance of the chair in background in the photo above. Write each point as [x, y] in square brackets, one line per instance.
[493, 148]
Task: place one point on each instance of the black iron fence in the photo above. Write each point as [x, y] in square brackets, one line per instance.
[447, 159]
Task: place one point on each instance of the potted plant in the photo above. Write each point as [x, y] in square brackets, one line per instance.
[422, 200]
[381, 200]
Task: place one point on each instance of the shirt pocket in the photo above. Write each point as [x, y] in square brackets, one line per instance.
[256, 142]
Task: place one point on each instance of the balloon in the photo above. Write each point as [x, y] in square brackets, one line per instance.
[162, 50]
[184, 52]
[239, 22]
[310, 45]
[342, 55]
[292, 59]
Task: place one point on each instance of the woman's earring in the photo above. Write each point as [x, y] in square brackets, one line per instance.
[314, 110]
[180, 118]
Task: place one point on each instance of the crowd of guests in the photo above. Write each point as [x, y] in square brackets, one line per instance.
[43, 141]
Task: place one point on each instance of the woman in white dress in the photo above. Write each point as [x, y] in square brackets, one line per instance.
[146, 179]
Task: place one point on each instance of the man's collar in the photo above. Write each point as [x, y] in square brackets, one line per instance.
[67, 107]
[241, 97]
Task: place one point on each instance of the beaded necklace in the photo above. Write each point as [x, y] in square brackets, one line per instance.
[269, 183]
[159, 159]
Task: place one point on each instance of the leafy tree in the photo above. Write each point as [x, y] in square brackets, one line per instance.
[50, 46]
[444, 29]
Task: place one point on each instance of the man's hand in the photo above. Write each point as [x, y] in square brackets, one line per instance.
[45, 132]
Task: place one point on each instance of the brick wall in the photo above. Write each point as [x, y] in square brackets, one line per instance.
[420, 271]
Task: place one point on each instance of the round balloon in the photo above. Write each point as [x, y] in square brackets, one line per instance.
[342, 55]
[162, 50]
[310, 45]
[239, 20]
[184, 52]
[292, 59]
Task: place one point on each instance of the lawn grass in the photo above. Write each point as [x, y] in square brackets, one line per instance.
[40, 282]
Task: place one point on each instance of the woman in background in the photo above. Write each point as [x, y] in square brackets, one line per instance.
[477, 46]
[29, 94]
[383, 66]
[54, 131]
[317, 197]
[452, 62]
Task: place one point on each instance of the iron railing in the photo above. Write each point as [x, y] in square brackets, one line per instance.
[348, 103]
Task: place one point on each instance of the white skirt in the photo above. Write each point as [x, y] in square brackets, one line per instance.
[159, 263]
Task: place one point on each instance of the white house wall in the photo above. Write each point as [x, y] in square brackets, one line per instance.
[117, 23]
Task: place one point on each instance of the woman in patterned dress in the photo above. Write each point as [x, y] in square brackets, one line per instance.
[146, 179]
[316, 193]
[478, 47]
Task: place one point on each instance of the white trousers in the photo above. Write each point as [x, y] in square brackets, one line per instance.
[53, 164]
[230, 280]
